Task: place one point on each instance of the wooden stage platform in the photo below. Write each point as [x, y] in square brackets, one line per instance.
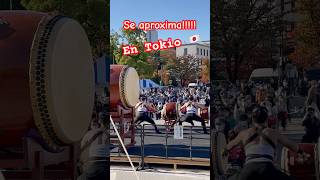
[202, 162]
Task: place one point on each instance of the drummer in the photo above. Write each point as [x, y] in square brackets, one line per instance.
[260, 144]
[142, 113]
[192, 107]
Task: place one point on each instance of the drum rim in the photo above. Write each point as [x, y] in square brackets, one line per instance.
[216, 166]
[44, 115]
[122, 78]
[41, 113]
[284, 160]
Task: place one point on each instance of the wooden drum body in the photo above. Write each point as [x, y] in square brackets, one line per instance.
[46, 78]
[171, 110]
[305, 171]
[204, 113]
[124, 86]
[124, 95]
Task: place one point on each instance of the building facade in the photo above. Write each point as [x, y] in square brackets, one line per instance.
[152, 36]
[198, 50]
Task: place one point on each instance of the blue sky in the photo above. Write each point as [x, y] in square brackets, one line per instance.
[161, 10]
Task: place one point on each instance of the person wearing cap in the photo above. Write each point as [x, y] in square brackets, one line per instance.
[260, 143]
[312, 126]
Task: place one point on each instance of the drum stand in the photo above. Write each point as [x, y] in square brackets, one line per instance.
[122, 117]
[169, 122]
[33, 162]
[143, 166]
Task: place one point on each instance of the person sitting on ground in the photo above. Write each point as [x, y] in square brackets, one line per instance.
[260, 145]
[312, 127]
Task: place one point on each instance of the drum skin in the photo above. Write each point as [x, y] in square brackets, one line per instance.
[123, 92]
[31, 85]
[305, 171]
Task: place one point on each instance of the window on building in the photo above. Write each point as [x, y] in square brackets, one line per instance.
[185, 51]
[201, 52]
[197, 51]
[207, 52]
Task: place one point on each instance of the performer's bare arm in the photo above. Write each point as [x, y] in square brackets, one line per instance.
[84, 140]
[200, 106]
[236, 141]
[151, 107]
[137, 105]
[287, 143]
[185, 105]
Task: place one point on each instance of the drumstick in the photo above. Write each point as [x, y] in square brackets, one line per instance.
[124, 148]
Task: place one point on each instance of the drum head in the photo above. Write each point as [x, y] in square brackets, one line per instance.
[129, 86]
[219, 162]
[61, 80]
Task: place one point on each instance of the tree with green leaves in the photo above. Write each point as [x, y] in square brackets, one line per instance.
[143, 62]
[185, 69]
[241, 28]
[93, 15]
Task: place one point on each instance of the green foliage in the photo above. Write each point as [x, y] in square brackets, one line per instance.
[91, 14]
[142, 61]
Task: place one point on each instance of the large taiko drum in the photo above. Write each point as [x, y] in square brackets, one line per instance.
[171, 110]
[306, 171]
[46, 78]
[124, 86]
[219, 162]
[204, 113]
